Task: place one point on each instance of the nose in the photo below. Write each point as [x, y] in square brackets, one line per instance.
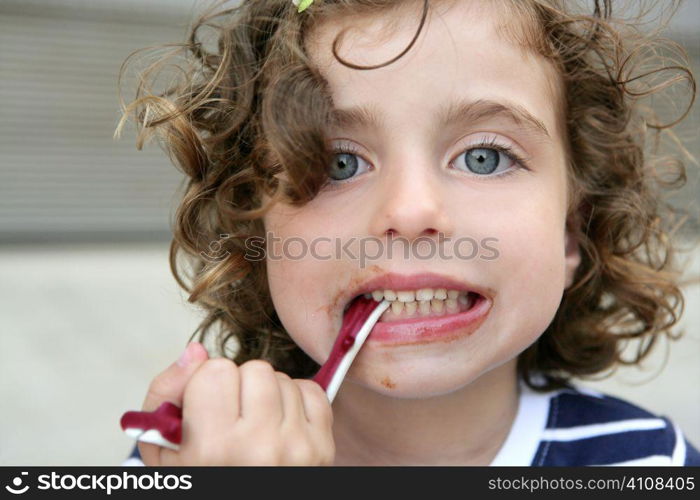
[411, 204]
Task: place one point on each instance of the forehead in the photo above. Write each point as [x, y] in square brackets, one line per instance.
[460, 56]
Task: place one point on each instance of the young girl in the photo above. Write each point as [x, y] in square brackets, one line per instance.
[517, 126]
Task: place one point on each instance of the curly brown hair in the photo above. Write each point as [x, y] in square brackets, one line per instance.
[244, 119]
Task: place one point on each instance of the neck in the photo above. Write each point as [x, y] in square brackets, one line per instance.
[464, 427]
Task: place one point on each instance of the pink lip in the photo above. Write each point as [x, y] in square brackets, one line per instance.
[432, 329]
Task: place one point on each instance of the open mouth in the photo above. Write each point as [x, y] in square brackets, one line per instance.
[423, 303]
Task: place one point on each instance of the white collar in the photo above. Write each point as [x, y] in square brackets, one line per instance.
[525, 434]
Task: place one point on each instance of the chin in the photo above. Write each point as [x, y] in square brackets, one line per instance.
[410, 383]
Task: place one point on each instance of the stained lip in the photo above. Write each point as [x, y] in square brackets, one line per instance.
[403, 282]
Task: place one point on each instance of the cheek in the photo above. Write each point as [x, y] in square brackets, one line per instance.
[530, 268]
[296, 282]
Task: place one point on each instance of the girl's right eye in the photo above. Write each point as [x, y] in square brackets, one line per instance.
[345, 164]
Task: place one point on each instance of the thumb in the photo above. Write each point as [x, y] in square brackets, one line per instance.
[169, 386]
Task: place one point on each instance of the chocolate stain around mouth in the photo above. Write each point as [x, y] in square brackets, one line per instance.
[372, 271]
[388, 383]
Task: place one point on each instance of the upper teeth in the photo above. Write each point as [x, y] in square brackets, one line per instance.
[421, 294]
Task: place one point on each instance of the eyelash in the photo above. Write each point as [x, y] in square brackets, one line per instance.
[490, 143]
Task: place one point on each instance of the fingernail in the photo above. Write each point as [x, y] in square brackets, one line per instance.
[186, 356]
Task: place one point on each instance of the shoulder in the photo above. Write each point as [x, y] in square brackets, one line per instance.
[586, 427]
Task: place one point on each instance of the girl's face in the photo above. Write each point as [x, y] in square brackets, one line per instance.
[420, 174]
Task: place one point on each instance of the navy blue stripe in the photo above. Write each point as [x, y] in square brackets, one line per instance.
[540, 458]
[692, 455]
[612, 448]
[135, 452]
[575, 409]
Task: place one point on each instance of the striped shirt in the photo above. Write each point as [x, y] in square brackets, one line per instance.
[581, 427]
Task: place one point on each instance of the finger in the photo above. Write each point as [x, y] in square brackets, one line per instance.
[292, 403]
[320, 419]
[211, 401]
[316, 405]
[169, 386]
[261, 400]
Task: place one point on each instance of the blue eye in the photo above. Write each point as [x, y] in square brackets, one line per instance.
[345, 163]
[489, 159]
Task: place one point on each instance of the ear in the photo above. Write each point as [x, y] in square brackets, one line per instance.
[572, 252]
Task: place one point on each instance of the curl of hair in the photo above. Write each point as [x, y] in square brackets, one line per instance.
[244, 121]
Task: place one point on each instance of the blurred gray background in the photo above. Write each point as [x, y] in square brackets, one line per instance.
[89, 312]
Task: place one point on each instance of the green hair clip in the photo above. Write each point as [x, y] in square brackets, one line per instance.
[302, 5]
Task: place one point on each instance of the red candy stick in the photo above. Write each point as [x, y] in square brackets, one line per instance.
[357, 324]
[162, 427]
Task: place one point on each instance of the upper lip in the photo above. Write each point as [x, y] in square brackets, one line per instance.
[399, 282]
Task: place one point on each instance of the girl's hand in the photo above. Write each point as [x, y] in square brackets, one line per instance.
[240, 415]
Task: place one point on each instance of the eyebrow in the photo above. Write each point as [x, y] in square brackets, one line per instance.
[459, 112]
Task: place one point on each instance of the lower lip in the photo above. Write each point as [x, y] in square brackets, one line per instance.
[432, 329]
